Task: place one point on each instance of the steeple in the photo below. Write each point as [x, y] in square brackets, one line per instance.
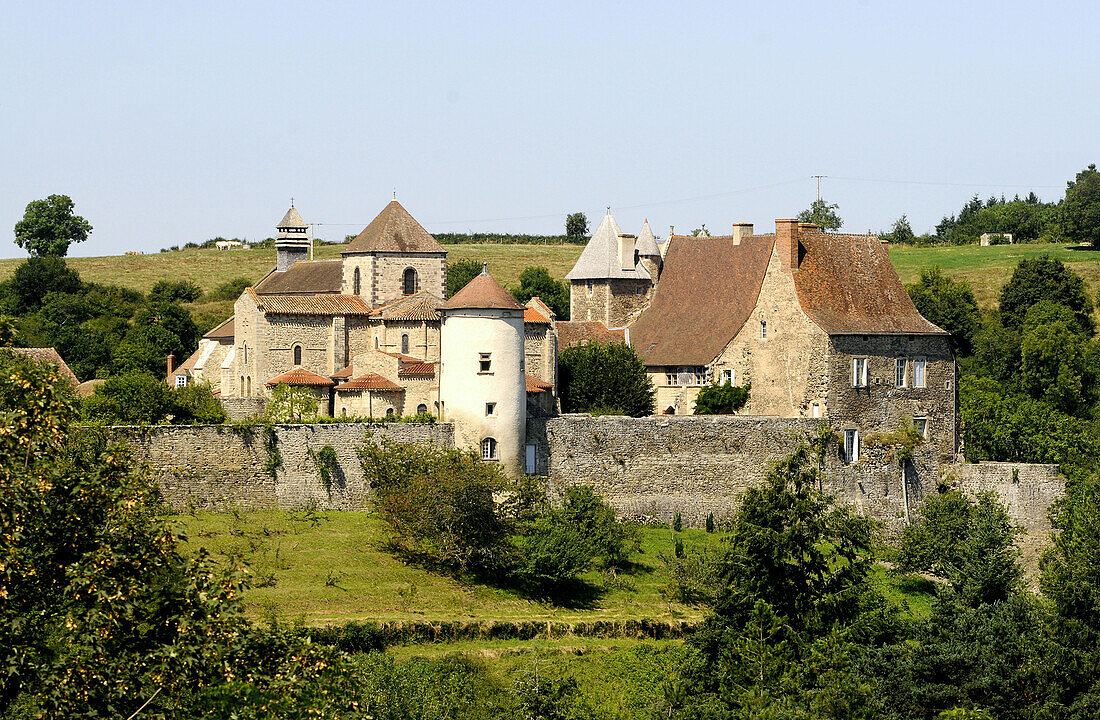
[649, 256]
[293, 242]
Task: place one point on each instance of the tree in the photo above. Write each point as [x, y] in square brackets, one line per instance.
[1044, 278]
[230, 289]
[721, 399]
[39, 276]
[576, 225]
[901, 232]
[175, 291]
[1056, 360]
[291, 403]
[195, 403]
[461, 273]
[604, 379]
[49, 226]
[536, 281]
[949, 304]
[136, 398]
[1081, 208]
[823, 214]
[933, 543]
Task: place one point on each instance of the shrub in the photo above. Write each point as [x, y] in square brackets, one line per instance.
[608, 377]
[710, 522]
[677, 523]
[134, 398]
[175, 291]
[721, 399]
[195, 403]
[230, 289]
[693, 576]
[290, 404]
[611, 541]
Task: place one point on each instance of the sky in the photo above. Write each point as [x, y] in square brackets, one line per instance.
[169, 123]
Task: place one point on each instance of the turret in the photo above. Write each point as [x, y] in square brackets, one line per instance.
[482, 386]
[648, 254]
[293, 241]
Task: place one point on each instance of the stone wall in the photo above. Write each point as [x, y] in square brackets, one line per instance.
[243, 408]
[1027, 491]
[211, 467]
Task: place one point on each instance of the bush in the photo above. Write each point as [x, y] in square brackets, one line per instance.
[611, 541]
[290, 404]
[231, 289]
[195, 404]
[608, 378]
[693, 576]
[175, 291]
[135, 398]
[722, 399]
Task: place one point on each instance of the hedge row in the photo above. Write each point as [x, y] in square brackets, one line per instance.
[509, 239]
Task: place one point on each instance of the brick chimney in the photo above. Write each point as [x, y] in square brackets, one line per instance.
[786, 240]
[741, 231]
[171, 364]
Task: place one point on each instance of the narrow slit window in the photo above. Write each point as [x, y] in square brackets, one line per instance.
[490, 409]
[900, 372]
[297, 355]
[405, 344]
[763, 329]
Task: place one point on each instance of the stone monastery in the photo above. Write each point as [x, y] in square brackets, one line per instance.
[818, 323]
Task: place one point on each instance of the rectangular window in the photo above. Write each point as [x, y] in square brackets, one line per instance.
[902, 367]
[181, 381]
[919, 373]
[485, 362]
[816, 410]
[727, 376]
[859, 372]
[670, 378]
[530, 460]
[921, 424]
[851, 446]
[490, 409]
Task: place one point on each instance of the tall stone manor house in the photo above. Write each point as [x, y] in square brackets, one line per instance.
[817, 323]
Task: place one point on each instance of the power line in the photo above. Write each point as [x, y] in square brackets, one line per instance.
[942, 184]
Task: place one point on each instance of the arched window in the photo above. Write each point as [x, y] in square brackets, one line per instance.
[343, 412]
[421, 409]
[410, 281]
[297, 355]
[488, 449]
[241, 390]
[405, 344]
[389, 412]
[248, 382]
[356, 284]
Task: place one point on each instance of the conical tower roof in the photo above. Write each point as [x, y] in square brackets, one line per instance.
[600, 258]
[394, 230]
[647, 241]
[292, 221]
[483, 292]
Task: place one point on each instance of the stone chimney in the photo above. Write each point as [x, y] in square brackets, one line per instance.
[808, 227]
[786, 241]
[171, 364]
[741, 231]
[626, 251]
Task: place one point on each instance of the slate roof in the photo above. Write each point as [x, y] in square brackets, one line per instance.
[394, 230]
[292, 219]
[848, 286]
[600, 258]
[708, 288]
[647, 241]
[224, 331]
[300, 376]
[420, 306]
[579, 332]
[48, 355]
[305, 277]
[311, 304]
[534, 385]
[482, 292]
[370, 381]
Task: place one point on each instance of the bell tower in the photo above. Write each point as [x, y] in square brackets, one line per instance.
[293, 241]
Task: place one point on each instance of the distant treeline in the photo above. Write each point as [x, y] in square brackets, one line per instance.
[509, 239]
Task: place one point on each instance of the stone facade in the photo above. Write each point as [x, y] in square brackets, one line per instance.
[219, 468]
[382, 275]
[614, 302]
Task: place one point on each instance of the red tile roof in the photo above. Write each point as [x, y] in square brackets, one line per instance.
[305, 277]
[311, 304]
[420, 368]
[299, 376]
[534, 385]
[370, 381]
[345, 373]
[48, 355]
[224, 331]
[421, 306]
[847, 285]
[534, 317]
[401, 357]
[394, 230]
[483, 292]
[579, 332]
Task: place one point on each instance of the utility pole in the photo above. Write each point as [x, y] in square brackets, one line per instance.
[818, 178]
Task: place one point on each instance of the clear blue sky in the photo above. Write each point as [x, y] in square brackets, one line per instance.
[176, 122]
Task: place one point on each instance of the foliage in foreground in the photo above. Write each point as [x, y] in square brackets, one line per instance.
[139, 398]
[722, 399]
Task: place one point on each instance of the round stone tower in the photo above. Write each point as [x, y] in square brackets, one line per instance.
[482, 385]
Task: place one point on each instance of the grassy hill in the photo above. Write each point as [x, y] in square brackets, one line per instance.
[986, 268]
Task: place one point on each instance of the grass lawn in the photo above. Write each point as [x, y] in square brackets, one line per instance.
[329, 567]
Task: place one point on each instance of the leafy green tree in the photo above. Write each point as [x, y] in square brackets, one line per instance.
[576, 224]
[1056, 361]
[610, 541]
[823, 214]
[39, 276]
[934, 543]
[459, 274]
[135, 398]
[1044, 278]
[948, 303]
[49, 226]
[159, 329]
[174, 291]
[291, 403]
[230, 289]
[195, 403]
[604, 378]
[536, 282]
[722, 399]
[1081, 208]
[901, 232]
